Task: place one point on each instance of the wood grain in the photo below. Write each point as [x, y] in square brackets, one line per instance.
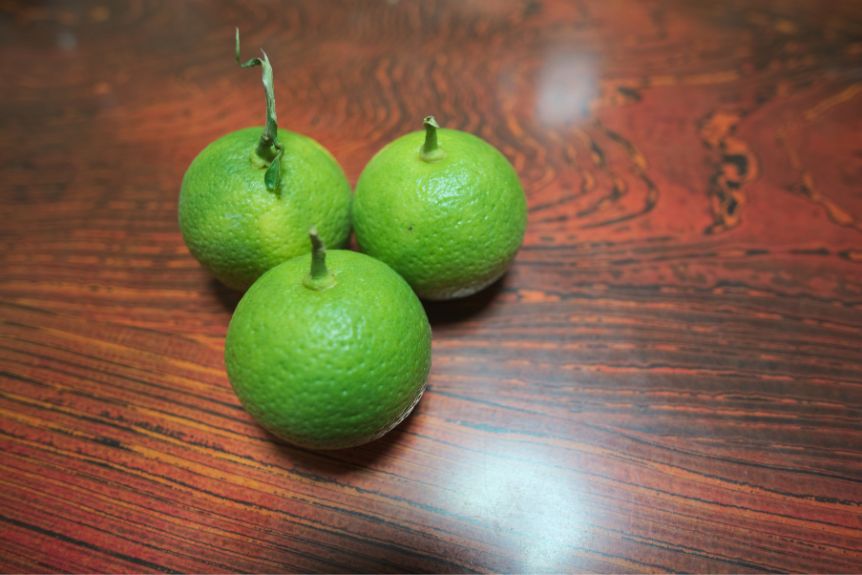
[668, 379]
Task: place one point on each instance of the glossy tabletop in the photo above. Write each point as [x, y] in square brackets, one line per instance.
[668, 379]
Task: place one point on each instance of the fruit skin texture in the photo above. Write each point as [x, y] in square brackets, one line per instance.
[332, 368]
[451, 226]
[236, 228]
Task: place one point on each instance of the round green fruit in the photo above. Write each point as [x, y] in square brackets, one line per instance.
[248, 199]
[443, 208]
[237, 228]
[329, 358]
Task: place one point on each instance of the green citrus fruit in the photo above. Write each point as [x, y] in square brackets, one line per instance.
[237, 228]
[330, 358]
[445, 210]
[248, 199]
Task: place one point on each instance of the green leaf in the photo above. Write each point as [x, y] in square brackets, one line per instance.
[272, 177]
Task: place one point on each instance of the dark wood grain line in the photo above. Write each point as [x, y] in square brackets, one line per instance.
[55, 512]
[85, 544]
[630, 436]
[676, 516]
[299, 520]
[264, 481]
[201, 557]
[523, 437]
[245, 460]
[101, 480]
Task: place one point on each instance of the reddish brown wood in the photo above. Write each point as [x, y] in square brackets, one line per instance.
[669, 379]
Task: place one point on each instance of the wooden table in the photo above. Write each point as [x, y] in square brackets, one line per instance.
[669, 378]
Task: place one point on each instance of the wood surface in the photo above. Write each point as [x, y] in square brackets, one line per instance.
[668, 379]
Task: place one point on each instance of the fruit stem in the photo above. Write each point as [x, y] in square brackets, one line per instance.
[268, 147]
[431, 151]
[319, 277]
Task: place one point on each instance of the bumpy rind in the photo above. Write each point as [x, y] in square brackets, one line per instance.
[237, 229]
[331, 368]
[450, 227]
